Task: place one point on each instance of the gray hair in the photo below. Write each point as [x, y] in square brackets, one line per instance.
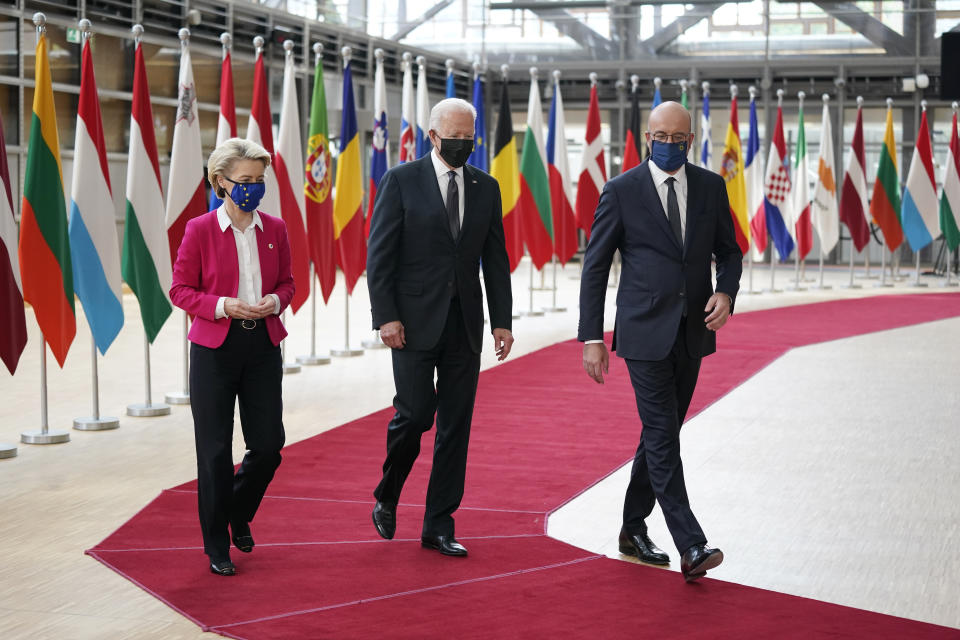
[229, 151]
[448, 105]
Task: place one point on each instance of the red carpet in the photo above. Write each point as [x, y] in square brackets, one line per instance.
[543, 432]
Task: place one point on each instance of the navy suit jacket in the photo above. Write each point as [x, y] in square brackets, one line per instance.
[415, 266]
[658, 277]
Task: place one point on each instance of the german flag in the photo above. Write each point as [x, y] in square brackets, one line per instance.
[506, 170]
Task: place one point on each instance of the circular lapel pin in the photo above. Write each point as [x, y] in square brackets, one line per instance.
[270, 246]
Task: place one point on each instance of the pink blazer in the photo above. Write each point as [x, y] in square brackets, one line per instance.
[207, 268]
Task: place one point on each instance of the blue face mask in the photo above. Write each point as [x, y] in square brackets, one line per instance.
[246, 195]
[669, 156]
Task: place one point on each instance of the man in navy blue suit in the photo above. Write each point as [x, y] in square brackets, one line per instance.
[668, 219]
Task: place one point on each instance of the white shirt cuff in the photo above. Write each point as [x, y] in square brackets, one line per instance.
[593, 342]
[276, 303]
[220, 313]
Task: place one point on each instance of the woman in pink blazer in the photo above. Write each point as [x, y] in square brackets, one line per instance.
[232, 275]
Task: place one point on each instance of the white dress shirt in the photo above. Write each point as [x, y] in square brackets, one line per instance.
[443, 180]
[680, 186]
[248, 257]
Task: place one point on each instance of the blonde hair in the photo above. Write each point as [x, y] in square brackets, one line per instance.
[222, 159]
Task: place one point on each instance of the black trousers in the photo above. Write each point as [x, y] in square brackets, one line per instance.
[417, 401]
[246, 368]
[663, 389]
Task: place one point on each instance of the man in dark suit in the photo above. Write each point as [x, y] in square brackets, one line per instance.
[667, 218]
[435, 222]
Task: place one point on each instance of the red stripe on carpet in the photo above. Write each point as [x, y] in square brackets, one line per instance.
[320, 570]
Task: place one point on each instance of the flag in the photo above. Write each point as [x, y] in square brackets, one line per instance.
[536, 216]
[657, 99]
[825, 216]
[949, 200]
[146, 251]
[93, 224]
[800, 195]
[227, 121]
[13, 320]
[45, 263]
[451, 88]
[564, 224]
[260, 130]
[776, 190]
[885, 204]
[423, 110]
[683, 94]
[853, 198]
[706, 147]
[593, 167]
[348, 201]
[631, 151]
[380, 142]
[318, 180]
[753, 177]
[408, 117]
[478, 158]
[731, 169]
[186, 195]
[505, 169]
[920, 212]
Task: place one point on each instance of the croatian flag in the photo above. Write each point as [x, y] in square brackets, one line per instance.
[920, 210]
[378, 158]
[408, 125]
[776, 189]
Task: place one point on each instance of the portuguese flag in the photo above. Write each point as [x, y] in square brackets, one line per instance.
[885, 204]
[45, 262]
[505, 169]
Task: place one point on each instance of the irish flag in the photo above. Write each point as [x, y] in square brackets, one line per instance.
[593, 168]
[146, 252]
[348, 201]
[950, 198]
[731, 169]
[93, 224]
[13, 320]
[45, 262]
[536, 216]
[507, 173]
[885, 204]
[920, 212]
[318, 185]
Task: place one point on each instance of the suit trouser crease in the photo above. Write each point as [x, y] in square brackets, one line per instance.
[417, 402]
[663, 391]
[245, 370]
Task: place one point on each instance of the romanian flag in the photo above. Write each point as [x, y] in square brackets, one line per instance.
[950, 198]
[318, 181]
[731, 169]
[348, 201]
[536, 216]
[45, 262]
[885, 204]
[506, 171]
[13, 320]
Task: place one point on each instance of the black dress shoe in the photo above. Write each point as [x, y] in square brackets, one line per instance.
[699, 559]
[639, 545]
[385, 519]
[240, 534]
[222, 567]
[444, 544]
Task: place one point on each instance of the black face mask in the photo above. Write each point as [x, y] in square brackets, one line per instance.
[455, 151]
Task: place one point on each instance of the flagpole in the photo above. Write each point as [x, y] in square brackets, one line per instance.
[346, 352]
[532, 312]
[313, 359]
[883, 267]
[43, 435]
[853, 250]
[95, 422]
[147, 409]
[949, 282]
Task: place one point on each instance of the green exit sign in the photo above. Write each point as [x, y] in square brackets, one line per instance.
[73, 35]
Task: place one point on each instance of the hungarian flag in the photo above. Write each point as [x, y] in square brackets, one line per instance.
[505, 169]
[146, 250]
[706, 147]
[885, 204]
[93, 225]
[423, 109]
[45, 262]
[318, 180]
[826, 219]
[13, 320]
[564, 224]
[536, 216]
[408, 114]
[731, 169]
[186, 197]
[260, 130]
[949, 199]
[776, 189]
[478, 157]
[227, 121]
[348, 202]
[593, 167]
[920, 212]
[631, 152]
[753, 177]
[853, 198]
[800, 195]
[380, 140]
[287, 163]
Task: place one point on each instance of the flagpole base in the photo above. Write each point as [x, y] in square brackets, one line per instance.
[532, 313]
[851, 286]
[795, 287]
[373, 344]
[346, 353]
[148, 410]
[920, 284]
[822, 287]
[290, 368]
[555, 309]
[37, 436]
[950, 284]
[773, 290]
[312, 361]
[7, 450]
[95, 424]
[883, 285]
[515, 316]
[177, 397]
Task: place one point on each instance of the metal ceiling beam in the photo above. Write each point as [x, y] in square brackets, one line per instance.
[407, 28]
[655, 43]
[865, 24]
[579, 32]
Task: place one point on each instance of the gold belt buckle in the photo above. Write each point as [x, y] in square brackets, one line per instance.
[252, 325]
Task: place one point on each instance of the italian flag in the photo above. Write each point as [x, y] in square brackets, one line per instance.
[950, 198]
[146, 252]
[536, 215]
[45, 262]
